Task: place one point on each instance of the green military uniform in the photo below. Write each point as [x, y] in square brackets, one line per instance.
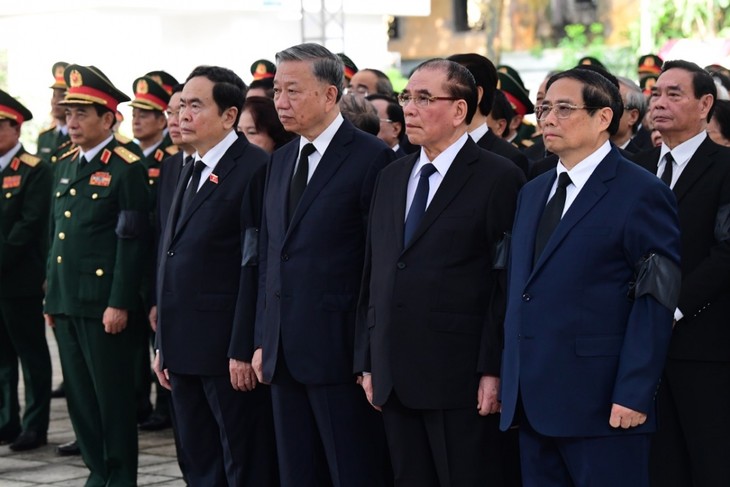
[24, 204]
[514, 89]
[98, 227]
[54, 141]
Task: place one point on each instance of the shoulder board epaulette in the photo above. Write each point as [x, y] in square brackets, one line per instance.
[64, 145]
[128, 156]
[30, 159]
[122, 139]
[69, 153]
[172, 150]
[52, 127]
[527, 142]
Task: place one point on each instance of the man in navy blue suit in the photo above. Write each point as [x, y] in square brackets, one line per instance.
[206, 292]
[594, 281]
[312, 241]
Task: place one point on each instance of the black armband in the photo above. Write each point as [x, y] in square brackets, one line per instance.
[722, 224]
[132, 224]
[501, 252]
[250, 247]
[659, 277]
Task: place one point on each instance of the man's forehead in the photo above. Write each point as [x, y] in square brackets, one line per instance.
[674, 77]
[565, 90]
[425, 80]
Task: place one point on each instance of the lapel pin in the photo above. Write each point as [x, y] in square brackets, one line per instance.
[213, 178]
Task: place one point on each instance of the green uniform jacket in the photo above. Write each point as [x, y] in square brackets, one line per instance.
[99, 223]
[25, 206]
[51, 144]
[153, 162]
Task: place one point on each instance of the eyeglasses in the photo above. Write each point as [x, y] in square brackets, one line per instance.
[562, 110]
[385, 120]
[421, 101]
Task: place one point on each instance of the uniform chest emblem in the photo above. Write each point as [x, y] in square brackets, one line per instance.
[100, 178]
[11, 182]
[153, 172]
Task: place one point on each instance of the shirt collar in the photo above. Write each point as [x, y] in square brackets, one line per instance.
[214, 155]
[479, 132]
[91, 153]
[5, 160]
[684, 151]
[443, 161]
[323, 140]
[582, 171]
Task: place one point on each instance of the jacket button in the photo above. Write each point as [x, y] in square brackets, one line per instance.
[8, 195]
[59, 259]
[99, 272]
[94, 196]
[67, 214]
[526, 297]
[72, 191]
[284, 257]
[277, 294]
[170, 253]
[58, 194]
[62, 235]
[401, 265]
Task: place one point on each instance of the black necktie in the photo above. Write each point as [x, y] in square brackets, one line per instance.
[299, 181]
[82, 162]
[551, 216]
[418, 206]
[668, 169]
[193, 186]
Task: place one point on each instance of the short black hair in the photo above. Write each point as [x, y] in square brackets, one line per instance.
[502, 110]
[722, 117]
[485, 76]
[702, 82]
[229, 90]
[598, 92]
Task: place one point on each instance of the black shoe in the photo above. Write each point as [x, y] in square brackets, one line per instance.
[8, 436]
[29, 440]
[58, 391]
[68, 449]
[155, 422]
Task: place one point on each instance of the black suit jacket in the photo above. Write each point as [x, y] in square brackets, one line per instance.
[498, 145]
[703, 196]
[430, 314]
[205, 289]
[310, 269]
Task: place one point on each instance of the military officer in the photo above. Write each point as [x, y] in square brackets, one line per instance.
[165, 79]
[26, 193]
[149, 125]
[99, 219]
[520, 131]
[54, 140]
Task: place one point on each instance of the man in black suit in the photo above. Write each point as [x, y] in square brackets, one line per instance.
[206, 290]
[428, 339]
[691, 445]
[318, 191]
[485, 75]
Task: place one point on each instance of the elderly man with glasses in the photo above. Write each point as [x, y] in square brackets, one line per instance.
[428, 341]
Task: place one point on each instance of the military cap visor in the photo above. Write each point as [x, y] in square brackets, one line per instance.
[12, 109]
[150, 95]
[650, 64]
[87, 85]
[350, 67]
[57, 70]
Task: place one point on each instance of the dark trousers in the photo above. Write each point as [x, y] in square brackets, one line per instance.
[327, 435]
[443, 448]
[23, 337]
[692, 443]
[226, 436]
[98, 378]
[607, 461]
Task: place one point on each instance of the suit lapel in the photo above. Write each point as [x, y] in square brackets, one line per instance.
[594, 189]
[697, 165]
[457, 175]
[225, 165]
[334, 156]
